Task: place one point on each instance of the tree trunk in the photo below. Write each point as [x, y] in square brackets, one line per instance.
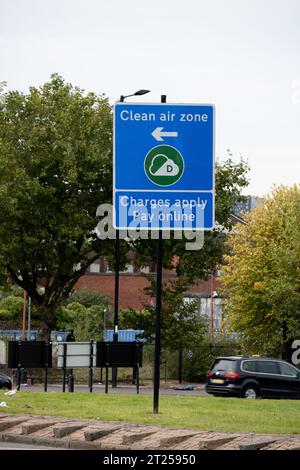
[286, 351]
[44, 330]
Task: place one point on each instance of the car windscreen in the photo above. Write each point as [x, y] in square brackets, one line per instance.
[224, 365]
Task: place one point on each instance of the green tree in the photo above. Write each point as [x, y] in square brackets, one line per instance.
[87, 322]
[55, 169]
[181, 326]
[10, 289]
[230, 180]
[262, 275]
[11, 308]
[87, 298]
[197, 364]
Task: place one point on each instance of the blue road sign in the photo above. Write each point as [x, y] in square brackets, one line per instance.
[163, 166]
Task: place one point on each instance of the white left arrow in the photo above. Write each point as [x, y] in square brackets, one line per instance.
[158, 134]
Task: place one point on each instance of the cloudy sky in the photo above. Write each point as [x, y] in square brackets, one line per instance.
[241, 55]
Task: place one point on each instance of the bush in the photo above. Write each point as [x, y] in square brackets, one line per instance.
[87, 323]
[196, 367]
[197, 360]
[11, 308]
[87, 298]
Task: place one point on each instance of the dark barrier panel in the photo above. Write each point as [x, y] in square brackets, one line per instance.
[119, 354]
[31, 354]
[12, 361]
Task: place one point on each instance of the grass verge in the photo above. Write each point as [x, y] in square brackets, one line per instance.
[206, 413]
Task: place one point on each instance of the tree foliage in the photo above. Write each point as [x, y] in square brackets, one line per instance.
[181, 326]
[262, 274]
[11, 308]
[55, 169]
[87, 298]
[88, 318]
[230, 180]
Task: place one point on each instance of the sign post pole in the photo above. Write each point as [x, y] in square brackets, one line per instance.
[158, 313]
[64, 367]
[157, 324]
[46, 368]
[91, 365]
[114, 371]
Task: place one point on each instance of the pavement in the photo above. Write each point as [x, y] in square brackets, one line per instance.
[67, 433]
[16, 446]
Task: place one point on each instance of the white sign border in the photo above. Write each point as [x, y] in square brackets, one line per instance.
[198, 229]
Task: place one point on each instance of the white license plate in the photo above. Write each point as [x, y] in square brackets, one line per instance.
[217, 381]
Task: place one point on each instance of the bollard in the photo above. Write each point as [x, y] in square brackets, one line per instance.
[70, 383]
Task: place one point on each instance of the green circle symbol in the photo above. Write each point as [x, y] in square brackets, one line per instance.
[164, 165]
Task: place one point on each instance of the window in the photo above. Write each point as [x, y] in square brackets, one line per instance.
[285, 369]
[249, 366]
[145, 269]
[267, 367]
[128, 268]
[216, 310]
[224, 365]
[95, 268]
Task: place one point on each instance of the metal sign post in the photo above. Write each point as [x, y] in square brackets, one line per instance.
[46, 370]
[91, 366]
[157, 323]
[114, 372]
[159, 258]
[64, 366]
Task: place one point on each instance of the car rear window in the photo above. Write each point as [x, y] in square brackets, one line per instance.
[225, 365]
[267, 367]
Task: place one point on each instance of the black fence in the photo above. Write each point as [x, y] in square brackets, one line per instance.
[120, 354]
[30, 354]
[38, 354]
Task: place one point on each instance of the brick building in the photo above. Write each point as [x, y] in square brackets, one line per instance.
[99, 278]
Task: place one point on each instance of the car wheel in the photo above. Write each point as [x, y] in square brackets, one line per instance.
[6, 385]
[250, 391]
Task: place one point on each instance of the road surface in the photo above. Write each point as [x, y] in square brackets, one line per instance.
[121, 389]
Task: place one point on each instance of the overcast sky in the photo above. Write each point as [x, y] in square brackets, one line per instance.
[241, 55]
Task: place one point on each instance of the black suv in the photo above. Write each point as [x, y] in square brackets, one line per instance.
[253, 377]
[5, 381]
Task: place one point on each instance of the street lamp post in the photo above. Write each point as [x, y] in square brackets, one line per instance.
[104, 313]
[29, 319]
[117, 268]
[24, 315]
